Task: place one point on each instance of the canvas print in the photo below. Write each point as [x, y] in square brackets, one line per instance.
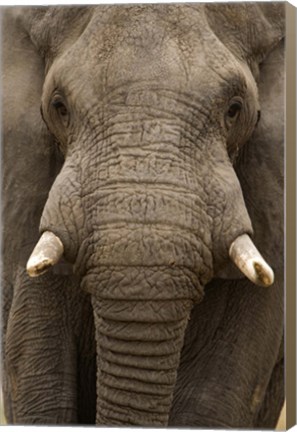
[142, 215]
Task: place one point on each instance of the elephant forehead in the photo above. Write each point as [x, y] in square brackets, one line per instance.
[145, 28]
[169, 46]
[154, 42]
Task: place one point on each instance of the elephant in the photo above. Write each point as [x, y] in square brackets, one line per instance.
[143, 185]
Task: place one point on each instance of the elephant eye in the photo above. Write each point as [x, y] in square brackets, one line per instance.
[61, 109]
[234, 109]
[233, 112]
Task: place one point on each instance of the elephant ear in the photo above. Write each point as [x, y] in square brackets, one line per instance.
[249, 30]
[30, 159]
[52, 29]
[29, 162]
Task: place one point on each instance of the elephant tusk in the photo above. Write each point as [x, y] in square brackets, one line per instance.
[46, 253]
[248, 259]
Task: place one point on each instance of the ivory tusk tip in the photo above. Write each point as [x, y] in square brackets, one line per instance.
[250, 262]
[264, 276]
[36, 267]
[46, 254]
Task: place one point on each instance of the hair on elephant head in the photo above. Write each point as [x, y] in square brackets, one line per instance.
[138, 173]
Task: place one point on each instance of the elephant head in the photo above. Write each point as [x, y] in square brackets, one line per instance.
[150, 106]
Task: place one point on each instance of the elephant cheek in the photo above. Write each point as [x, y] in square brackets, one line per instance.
[140, 319]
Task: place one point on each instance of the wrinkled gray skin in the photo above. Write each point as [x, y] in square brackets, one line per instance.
[136, 169]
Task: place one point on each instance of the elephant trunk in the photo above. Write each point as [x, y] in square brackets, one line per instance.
[139, 341]
[142, 295]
